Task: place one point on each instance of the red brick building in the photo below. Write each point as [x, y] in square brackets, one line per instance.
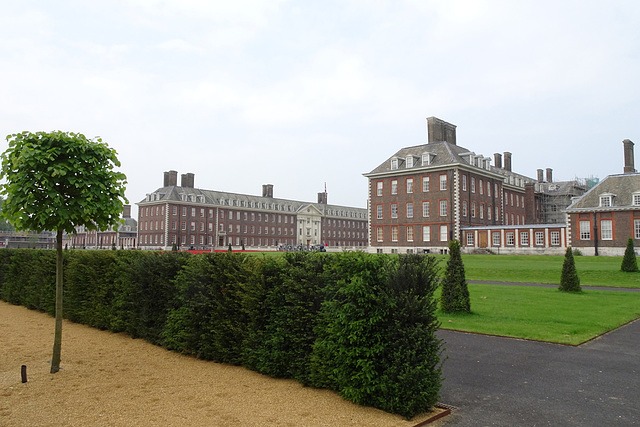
[190, 217]
[601, 221]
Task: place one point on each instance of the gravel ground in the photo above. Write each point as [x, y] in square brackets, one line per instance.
[113, 380]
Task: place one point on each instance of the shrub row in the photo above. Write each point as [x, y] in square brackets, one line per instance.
[360, 324]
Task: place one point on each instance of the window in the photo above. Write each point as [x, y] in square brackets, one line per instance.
[379, 186]
[465, 208]
[636, 199]
[469, 239]
[410, 210]
[585, 230]
[444, 233]
[464, 182]
[489, 212]
[488, 189]
[409, 161]
[555, 238]
[394, 234]
[473, 209]
[605, 200]
[394, 163]
[409, 185]
[425, 184]
[409, 234]
[606, 229]
[539, 238]
[497, 212]
[394, 210]
[443, 182]
[425, 209]
[379, 209]
[426, 233]
[481, 210]
[379, 234]
[394, 186]
[481, 185]
[636, 228]
[473, 185]
[495, 236]
[443, 208]
[510, 238]
[524, 238]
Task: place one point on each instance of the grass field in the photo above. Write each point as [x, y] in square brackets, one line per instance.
[544, 314]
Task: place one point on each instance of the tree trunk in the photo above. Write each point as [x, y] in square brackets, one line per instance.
[57, 339]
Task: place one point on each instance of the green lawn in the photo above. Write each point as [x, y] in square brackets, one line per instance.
[594, 271]
[544, 313]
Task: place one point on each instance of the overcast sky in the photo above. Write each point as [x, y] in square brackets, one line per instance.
[299, 93]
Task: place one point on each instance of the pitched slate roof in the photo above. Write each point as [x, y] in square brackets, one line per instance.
[622, 187]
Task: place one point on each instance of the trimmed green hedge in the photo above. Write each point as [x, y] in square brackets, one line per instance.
[360, 324]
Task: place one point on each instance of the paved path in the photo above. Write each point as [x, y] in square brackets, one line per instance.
[495, 381]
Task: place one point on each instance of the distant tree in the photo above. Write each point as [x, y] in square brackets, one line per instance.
[455, 292]
[113, 246]
[174, 248]
[56, 181]
[4, 224]
[569, 281]
[629, 263]
[229, 250]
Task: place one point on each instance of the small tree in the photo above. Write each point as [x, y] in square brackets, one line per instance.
[569, 282]
[57, 181]
[455, 293]
[629, 263]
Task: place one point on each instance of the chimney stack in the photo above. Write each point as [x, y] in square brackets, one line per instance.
[171, 179]
[126, 211]
[549, 175]
[497, 157]
[439, 130]
[507, 161]
[322, 198]
[628, 157]
[540, 175]
[267, 190]
[187, 180]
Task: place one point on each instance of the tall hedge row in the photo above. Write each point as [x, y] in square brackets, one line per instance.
[360, 324]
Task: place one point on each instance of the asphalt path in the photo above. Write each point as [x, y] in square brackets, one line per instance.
[496, 381]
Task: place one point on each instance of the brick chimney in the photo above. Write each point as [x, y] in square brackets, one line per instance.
[267, 190]
[187, 180]
[549, 175]
[322, 198]
[497, 159]
[170, 179]
[507, 161]
[439, 130]
[126, 211]
[540, 175]
[628, 157]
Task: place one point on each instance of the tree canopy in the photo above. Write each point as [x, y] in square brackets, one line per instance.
[55, 181]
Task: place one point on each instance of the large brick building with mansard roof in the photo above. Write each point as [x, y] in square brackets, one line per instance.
[190, 217]
[601, 221]
[426, 195]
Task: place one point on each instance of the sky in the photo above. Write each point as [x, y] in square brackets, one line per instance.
[303, 94]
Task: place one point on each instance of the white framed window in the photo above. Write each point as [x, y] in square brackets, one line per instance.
[444, 233]
[394, 186]
[409, 185]
[585, 230]
[409, 210]
[473, 185]
[394, 163]
[425, 209]
[465, 208]
[636, 228]
[636, 199]
[379, 234]
[555, 238]
[481, 185]
[379, 188]
[394, 234]
[481, 210]
[605, 200]
[443, 208]
[394, 210]
[464, 182]
[606, 229]
[426, 233]
[473, 209]
[539, 235]
[488, 189]
[409, 234]
[443, 182]
[409, 161]
[425, 184]
[469, 238]
[379, 213]
[524, 238]
[489, 212]
[510, 237]
[495, 236]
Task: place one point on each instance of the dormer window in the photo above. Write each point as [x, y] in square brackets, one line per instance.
[394, 163]
[427, 158]
[636, 199]
[409, 161]
[606, 200]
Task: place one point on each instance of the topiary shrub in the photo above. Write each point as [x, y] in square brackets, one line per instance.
[569, 281]
[455, 293]
[629, 263]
